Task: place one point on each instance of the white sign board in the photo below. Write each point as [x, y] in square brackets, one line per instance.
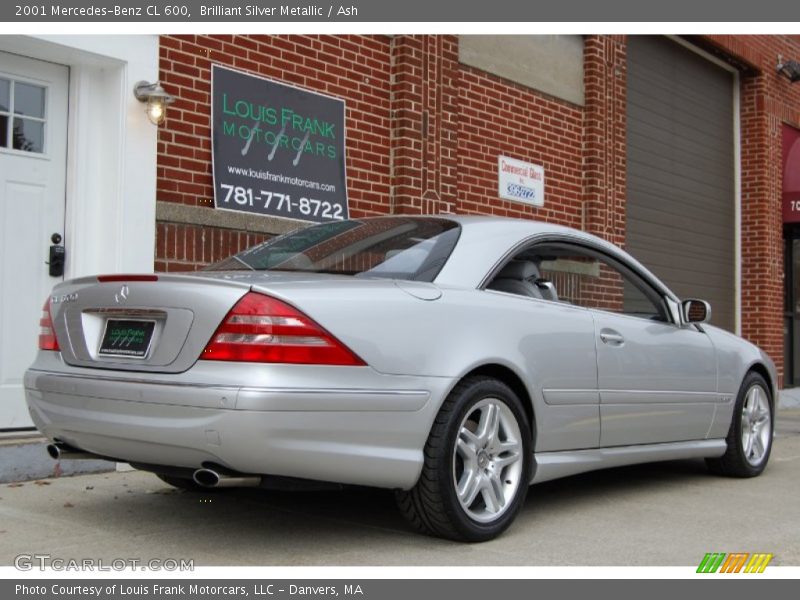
[520, 181]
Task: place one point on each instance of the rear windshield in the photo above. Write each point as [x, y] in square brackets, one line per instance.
[389, 247]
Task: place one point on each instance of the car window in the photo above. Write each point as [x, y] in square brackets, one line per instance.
[576, 275]
[387, 247]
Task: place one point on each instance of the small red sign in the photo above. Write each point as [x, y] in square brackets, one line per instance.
[791, 174]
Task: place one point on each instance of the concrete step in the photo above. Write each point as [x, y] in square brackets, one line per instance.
[789, 398]
[23, 457]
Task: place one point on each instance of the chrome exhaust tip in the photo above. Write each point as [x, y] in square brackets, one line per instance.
[54, 451]
[208, 478]
[59, 451]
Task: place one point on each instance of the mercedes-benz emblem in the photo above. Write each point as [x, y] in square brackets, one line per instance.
[122, 295]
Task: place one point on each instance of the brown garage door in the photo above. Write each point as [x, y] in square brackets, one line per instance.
[681, 204]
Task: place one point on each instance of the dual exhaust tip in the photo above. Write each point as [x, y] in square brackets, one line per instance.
[58, 450]
[207, 478]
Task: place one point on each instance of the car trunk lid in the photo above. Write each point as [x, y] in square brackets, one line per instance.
[186, 310]
[136, 325]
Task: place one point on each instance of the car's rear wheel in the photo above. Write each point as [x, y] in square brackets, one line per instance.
[476, 467]
[749, 440]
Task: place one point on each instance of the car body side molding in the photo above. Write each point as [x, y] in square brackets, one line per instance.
[553, 465]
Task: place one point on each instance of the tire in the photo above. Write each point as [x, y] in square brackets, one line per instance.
[480, 443]
[749, 440]
[182, 483]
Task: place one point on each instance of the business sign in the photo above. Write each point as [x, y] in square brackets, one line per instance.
[791, 174]
[277, 150]
[520, 181]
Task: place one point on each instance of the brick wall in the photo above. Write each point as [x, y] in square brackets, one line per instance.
[424, 132]
[604, 142]
[500, 117]
[356, 68]
[184, 247]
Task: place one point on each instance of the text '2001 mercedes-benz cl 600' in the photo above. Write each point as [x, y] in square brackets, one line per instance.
[453, 359]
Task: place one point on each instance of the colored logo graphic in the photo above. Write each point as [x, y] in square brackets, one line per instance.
[737, 562]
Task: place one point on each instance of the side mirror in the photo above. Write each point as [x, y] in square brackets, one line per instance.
[696, 311]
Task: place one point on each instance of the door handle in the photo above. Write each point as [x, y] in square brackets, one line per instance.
[612, 338]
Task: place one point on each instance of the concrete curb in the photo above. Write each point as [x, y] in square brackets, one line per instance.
[27, 459]
[789, 398]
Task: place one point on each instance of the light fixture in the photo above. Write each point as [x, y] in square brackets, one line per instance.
[789, 69]
[157, 100]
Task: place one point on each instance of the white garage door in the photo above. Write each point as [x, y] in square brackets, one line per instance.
[33, 144]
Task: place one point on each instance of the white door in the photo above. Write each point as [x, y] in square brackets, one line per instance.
[33, 146]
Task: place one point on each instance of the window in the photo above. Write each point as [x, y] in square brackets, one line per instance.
[22, 115]
[385, 247]
[576, 275]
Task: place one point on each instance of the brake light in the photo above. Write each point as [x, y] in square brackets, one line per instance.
[263, 329]
[113, 278]
[47, 334]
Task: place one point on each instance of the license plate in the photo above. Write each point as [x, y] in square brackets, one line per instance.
[127, 337]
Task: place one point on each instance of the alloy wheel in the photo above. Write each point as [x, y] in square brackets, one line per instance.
[487, 460]
[756, 425]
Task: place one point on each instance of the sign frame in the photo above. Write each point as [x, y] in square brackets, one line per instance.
[304, 208]
[520, 181]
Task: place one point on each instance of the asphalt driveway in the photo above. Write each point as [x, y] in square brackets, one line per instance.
[663, 514]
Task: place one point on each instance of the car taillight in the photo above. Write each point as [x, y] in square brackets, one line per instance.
[47, 334]
[263, 329]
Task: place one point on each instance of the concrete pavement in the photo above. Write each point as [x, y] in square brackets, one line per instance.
[661, 514]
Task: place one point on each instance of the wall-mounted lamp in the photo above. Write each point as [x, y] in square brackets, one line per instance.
[157, 100]
[789, 69]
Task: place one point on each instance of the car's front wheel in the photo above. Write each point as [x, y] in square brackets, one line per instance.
[476, 467]
[749, 440]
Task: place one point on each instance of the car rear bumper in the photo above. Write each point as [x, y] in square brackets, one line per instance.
[370, 432]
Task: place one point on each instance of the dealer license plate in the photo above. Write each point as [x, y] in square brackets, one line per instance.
[127, 337]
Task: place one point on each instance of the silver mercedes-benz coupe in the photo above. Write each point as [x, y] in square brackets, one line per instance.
[453, 359]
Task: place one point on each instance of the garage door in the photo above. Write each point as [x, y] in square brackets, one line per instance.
[680, 189]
